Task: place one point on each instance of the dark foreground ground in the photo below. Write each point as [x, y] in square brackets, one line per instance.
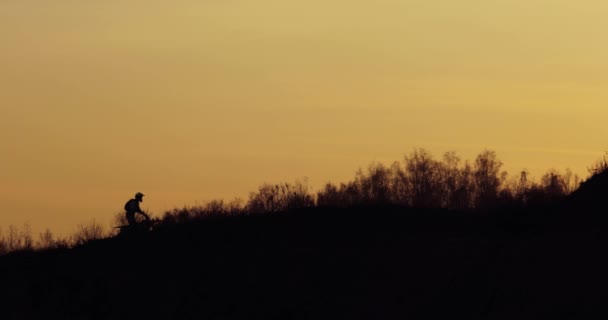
[375, 263]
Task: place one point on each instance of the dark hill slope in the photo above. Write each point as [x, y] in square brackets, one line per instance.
[365, 263]
[592, 193]
[587, 207]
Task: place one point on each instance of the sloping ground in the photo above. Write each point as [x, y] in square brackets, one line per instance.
[366, 263]
[587, 207]
[592, 193]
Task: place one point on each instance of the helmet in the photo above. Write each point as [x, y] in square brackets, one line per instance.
[139, 195]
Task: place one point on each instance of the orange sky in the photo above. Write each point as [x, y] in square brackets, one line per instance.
[191, 100]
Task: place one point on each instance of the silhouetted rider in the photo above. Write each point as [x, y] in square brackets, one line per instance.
[132, 207]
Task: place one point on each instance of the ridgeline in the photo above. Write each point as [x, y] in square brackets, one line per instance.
[377, 262]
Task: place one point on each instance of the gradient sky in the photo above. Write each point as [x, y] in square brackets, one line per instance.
[190, 100]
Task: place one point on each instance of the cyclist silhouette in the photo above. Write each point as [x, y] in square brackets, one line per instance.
[132, 207]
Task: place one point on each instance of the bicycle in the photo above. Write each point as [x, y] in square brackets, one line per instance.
[142, 227]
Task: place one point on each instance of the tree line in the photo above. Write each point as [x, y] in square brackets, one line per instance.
[419, 180]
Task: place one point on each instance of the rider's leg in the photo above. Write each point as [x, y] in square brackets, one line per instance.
[131, 218]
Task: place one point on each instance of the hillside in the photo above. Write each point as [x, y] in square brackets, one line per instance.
[323, 263]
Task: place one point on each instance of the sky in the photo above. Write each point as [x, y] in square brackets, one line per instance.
[193, 100]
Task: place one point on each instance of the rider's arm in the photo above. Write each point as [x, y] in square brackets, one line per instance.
[138, 209]
[142, 212]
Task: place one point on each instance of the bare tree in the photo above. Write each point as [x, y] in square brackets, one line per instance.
[280, 197]
[45, 240]
[14, 241]
[487, 178]
[375, 186]
[601, 165]
[330, 195]
[572, 180]
[26, 235]
[423, 178]
[236, 206]
[554, 184]
[88, 232]
[450, 178]
[399, 192]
